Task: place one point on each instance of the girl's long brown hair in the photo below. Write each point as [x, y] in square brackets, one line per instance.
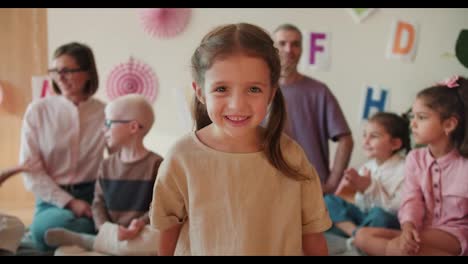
[253, 41]
[451, 102]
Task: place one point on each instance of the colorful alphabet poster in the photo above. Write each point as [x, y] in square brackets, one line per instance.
[318, 50]
[403, 41]
[41, 87]
[375, 99]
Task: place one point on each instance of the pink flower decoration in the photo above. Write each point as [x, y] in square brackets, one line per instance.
[132, 77]
[450, 82]
[164, 22]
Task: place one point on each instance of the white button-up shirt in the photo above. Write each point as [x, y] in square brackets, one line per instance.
[386, 186]
[68, 139]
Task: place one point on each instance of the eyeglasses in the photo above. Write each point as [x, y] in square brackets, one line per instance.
[108, 122]
[54, 73]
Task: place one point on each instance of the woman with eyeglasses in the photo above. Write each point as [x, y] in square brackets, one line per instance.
[64, 132]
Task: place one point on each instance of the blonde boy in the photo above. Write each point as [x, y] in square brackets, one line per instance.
[124, 187]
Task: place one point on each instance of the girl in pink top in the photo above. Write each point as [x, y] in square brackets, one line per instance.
[434, 209]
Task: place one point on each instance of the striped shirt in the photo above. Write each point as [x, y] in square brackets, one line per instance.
[124, 189]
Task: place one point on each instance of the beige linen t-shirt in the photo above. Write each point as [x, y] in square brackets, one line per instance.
[236, 203]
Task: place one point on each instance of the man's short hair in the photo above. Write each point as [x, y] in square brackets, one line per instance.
[288, 27]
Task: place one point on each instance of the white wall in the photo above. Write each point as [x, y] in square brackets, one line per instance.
[358, 53]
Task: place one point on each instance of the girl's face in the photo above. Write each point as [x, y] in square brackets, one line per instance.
[237, 91]
[68, 76]
[426, 124]
[378, 143]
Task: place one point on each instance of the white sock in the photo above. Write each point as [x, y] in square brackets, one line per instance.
[56, 237]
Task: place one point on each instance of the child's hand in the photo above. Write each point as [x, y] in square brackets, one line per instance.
[409, 240]
[350, 176]
[360, 183]
[343, 186]
[132, 231]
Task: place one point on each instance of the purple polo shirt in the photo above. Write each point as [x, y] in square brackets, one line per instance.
[314, 118]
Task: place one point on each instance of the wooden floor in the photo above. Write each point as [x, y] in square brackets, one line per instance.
[23, 212]
[16, 200]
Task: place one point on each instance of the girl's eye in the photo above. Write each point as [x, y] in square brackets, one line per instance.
[220, 89]
[255, 89]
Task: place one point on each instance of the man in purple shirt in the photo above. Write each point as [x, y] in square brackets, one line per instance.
[314, 115]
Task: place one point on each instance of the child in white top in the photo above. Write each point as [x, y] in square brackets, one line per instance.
[378, 184]
[234, 187]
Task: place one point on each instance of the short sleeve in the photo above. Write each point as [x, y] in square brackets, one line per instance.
[168, 204]
[315, 217]
[336, 121]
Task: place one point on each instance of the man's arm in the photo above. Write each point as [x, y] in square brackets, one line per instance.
[342, 157]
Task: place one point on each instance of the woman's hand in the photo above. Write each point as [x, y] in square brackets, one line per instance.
[80, 208]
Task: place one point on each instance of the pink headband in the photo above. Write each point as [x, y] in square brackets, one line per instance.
[450, 82]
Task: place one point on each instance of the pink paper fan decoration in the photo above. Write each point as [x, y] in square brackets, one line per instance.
[164, 22]
[132, 77]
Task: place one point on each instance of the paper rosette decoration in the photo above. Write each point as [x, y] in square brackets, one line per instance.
[164, 22]
[132, 77]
